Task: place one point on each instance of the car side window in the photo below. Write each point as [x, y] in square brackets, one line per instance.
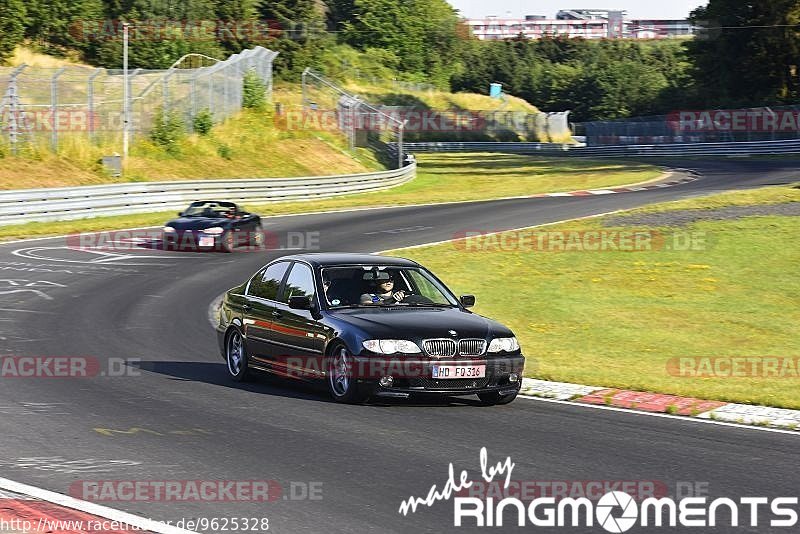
[265, 284]
[300, 283]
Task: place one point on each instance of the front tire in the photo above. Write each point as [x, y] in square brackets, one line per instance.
[257, 239]
[341, 381]
[495, 399]
[227, 242]
[236, 357]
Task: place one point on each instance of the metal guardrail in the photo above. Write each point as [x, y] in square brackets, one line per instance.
[37, 205]
[41, 205]
[484, 146]
[666, 150]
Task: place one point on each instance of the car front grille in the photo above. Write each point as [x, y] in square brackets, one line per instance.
[440, 348]
[457, 384]
[471, 347]
[446, 348]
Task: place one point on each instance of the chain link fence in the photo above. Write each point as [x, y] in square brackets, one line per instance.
[384, 127]
[364, 125]
[46, 106]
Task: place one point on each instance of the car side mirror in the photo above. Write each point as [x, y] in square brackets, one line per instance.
[468, 301]
[180, 214]
[300, 302]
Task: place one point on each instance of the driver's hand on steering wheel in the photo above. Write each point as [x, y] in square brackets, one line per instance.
[399, 295]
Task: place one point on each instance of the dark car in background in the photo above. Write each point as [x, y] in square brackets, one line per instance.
[213, 225]
[323, 317]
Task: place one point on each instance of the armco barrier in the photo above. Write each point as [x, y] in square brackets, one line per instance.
[38, 205]
[621, 151]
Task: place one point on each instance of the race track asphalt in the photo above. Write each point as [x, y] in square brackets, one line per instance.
[178, 417]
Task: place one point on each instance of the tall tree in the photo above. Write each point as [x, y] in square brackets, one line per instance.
[300, 33]
[424, 34]
[12, 26]
[161, 32]
[747, 52]
[60, 25]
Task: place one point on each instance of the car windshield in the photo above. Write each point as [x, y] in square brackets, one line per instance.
[209, 209]
[371, 286]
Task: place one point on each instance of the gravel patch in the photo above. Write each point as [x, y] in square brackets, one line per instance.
[684, 217]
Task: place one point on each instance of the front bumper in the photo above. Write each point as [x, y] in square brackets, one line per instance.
[416, 377]
[191, 240]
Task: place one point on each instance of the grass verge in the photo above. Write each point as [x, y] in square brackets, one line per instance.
[247, 145]
[623, 319]
[441, 178]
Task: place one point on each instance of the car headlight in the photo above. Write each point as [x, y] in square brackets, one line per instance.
[504, 344]
[169, 230]
[391, 346]
[216, 230]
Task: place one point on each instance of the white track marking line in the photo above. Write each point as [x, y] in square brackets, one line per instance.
[26, 311]
[663, 415]
[91, 508]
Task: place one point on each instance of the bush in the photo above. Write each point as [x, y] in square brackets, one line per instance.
[203, 122]
[225, 152]
[254, 94]
[168, 130]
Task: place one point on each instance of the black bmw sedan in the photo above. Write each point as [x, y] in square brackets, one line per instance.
[370, 327]
[213, 225]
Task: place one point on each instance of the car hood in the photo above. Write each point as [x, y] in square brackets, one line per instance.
[419, 323]
[197, 223]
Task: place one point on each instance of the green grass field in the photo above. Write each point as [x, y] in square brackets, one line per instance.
[441, 178]
[616, 319]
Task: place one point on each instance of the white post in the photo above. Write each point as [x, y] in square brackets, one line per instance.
[125, 95]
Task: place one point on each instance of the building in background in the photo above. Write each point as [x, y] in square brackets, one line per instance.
[583, 23]
[582, 14]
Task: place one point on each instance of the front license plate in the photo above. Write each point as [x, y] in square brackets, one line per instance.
[447, 372]
[206, 241]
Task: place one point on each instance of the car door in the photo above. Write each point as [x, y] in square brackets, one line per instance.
[299, 337]
[260, 310]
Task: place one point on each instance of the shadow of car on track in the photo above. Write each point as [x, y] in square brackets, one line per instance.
[266, 384]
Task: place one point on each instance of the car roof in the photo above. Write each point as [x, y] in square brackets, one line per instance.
[327, 259]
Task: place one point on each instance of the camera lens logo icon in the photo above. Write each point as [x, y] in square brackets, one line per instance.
[608, 503]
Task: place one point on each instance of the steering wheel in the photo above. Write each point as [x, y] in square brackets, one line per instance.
[417, 299]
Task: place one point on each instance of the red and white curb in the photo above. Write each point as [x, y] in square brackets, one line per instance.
[614, 190]
[28, 509]
[762, 416]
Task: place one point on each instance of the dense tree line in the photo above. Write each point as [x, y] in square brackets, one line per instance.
[746, 54]
[594, 79]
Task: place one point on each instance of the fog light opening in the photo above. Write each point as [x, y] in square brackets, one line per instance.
[386, 382]
[513, 378]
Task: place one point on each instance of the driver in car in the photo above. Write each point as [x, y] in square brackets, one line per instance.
[382, 291]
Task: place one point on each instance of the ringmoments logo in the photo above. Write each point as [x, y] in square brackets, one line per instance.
[615, 511]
